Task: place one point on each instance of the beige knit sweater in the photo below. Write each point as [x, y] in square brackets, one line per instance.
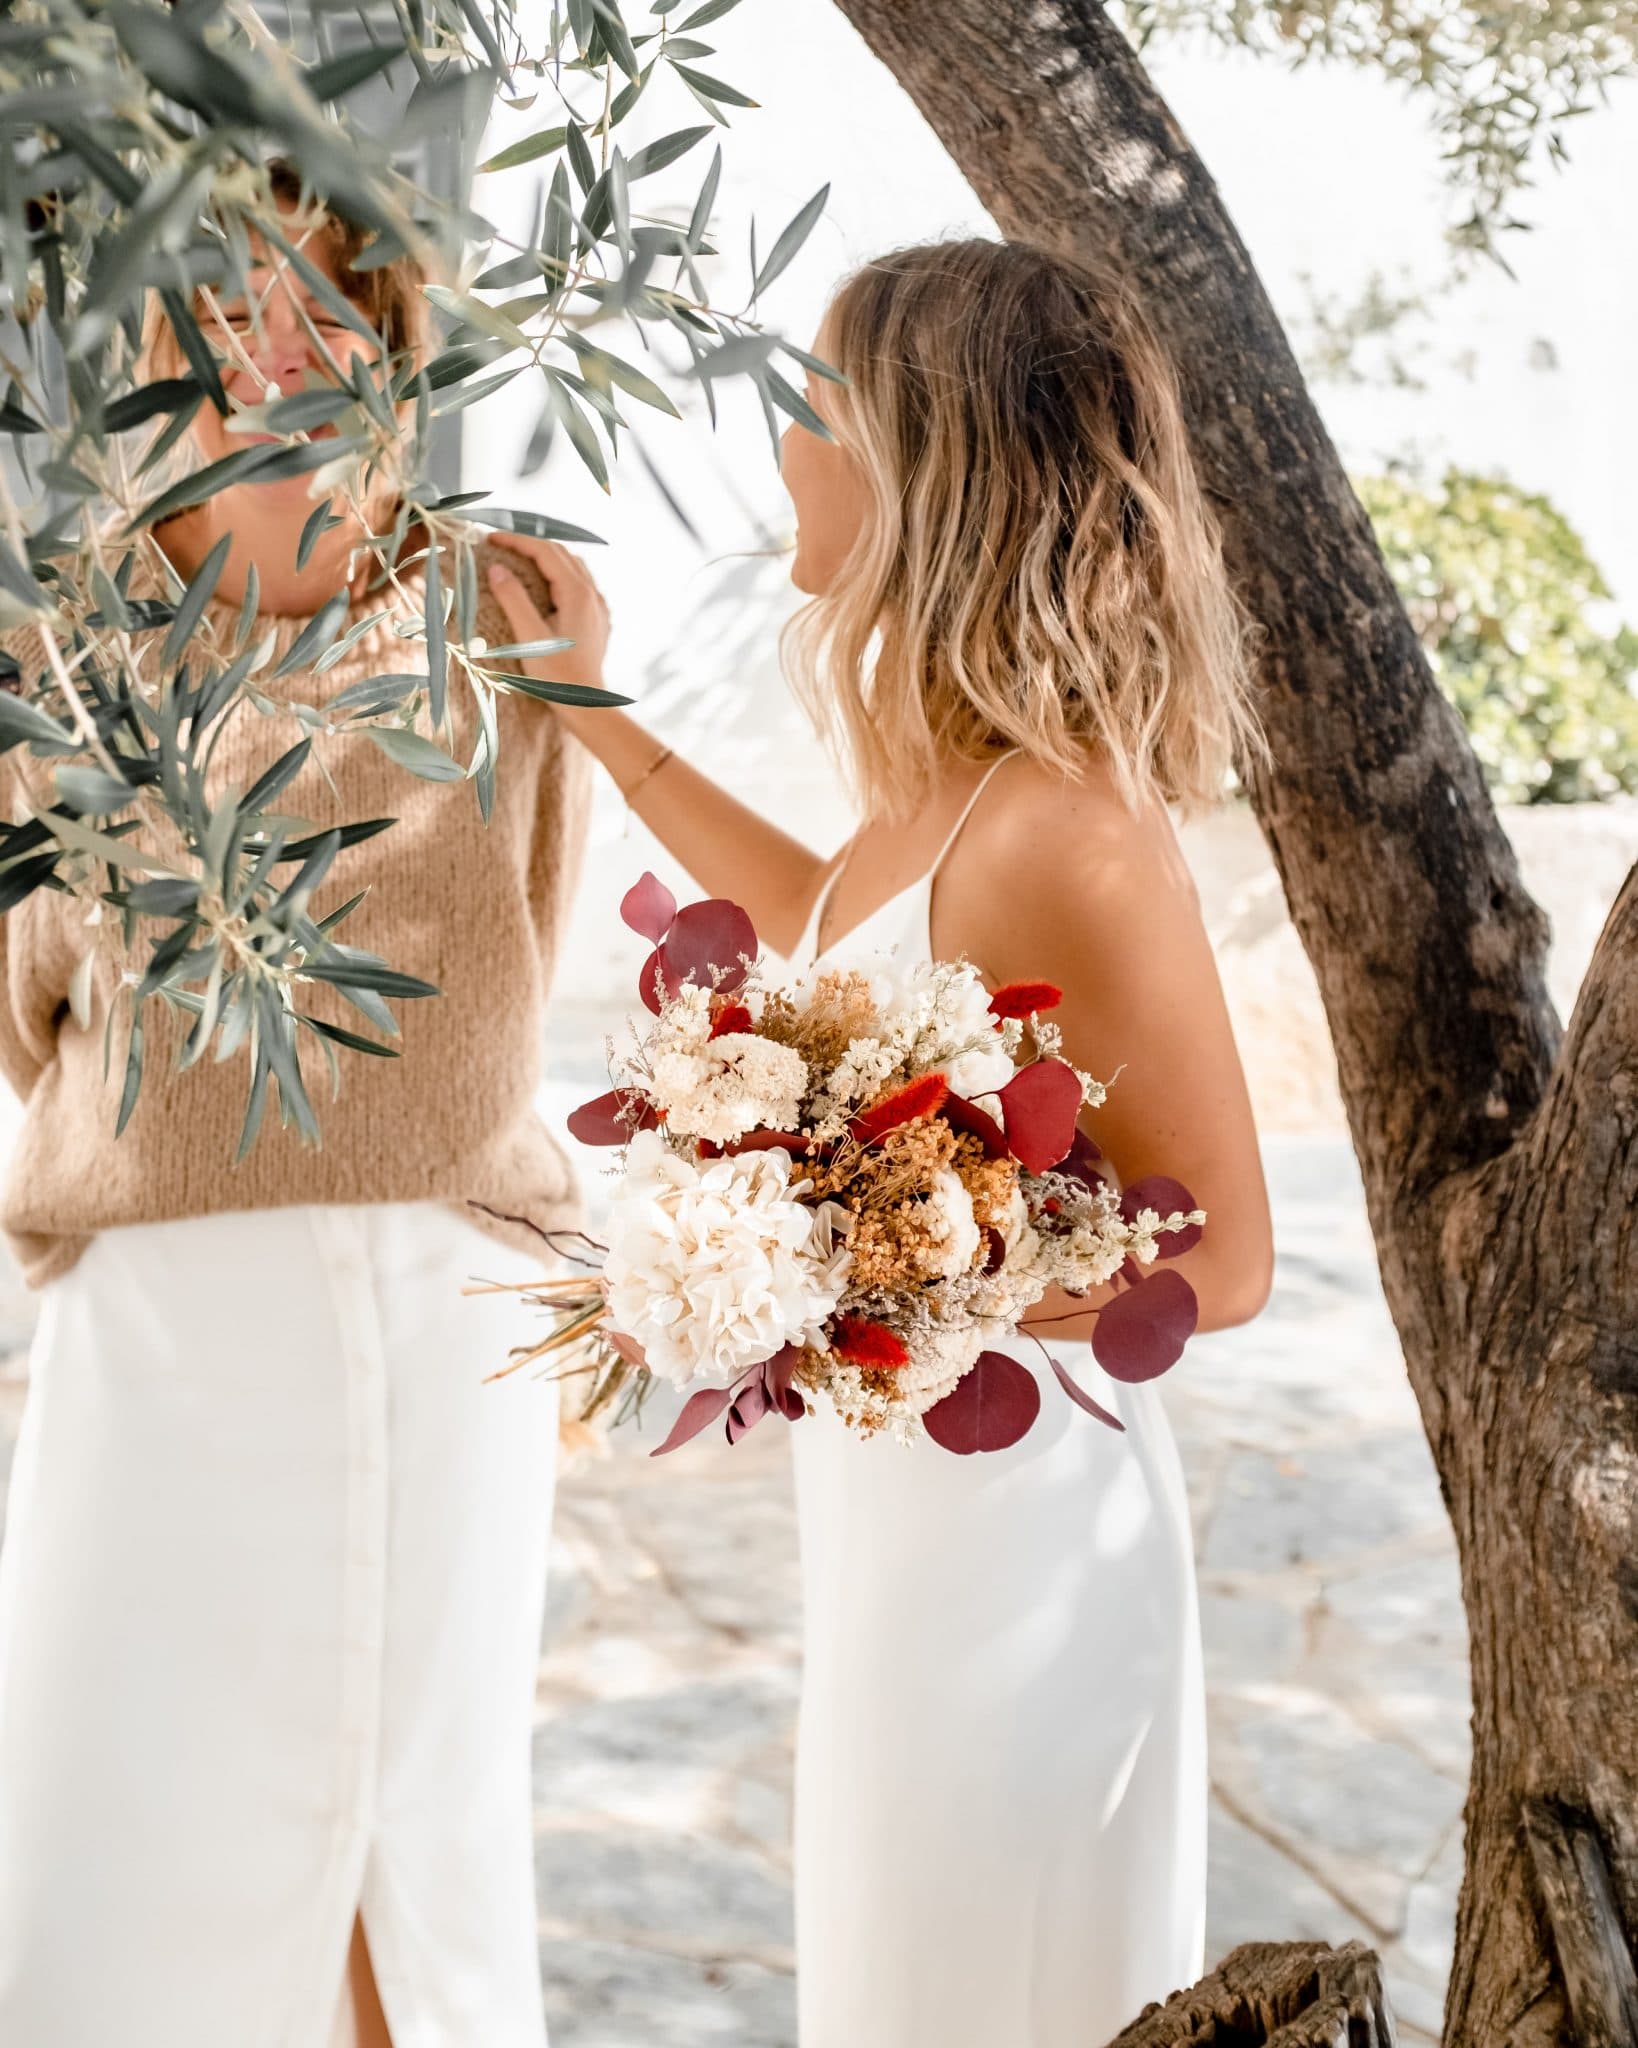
[477, 910]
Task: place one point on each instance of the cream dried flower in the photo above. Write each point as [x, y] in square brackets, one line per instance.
[720, 1088]
[959, 1235]
[939, 1014]
[714, 1266]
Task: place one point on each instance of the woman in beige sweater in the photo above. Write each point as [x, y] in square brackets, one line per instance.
[274, 1561]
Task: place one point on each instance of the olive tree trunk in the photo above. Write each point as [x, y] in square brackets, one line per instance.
[1500, 1155]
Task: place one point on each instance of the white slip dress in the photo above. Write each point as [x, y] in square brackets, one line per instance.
[1001, 1773]
[270, 1613]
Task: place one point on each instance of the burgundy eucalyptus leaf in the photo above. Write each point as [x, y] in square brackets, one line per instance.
[610, 1119]
[699, 1411]
[1141, 1333]
[1040, 1104]
[750, 1404]
[709, 943]
[1158, 1191]
[648, 907]
[995, 1249]
[1082, 1399]
[777, 1374]
[987, 1409]
[962, 1115]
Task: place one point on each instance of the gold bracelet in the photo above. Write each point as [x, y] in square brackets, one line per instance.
[653, 768]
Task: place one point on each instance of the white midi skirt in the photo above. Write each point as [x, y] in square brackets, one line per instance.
[1001, 1770]
[270, 1608]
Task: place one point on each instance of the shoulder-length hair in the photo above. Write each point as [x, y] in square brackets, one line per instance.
[1037, 567]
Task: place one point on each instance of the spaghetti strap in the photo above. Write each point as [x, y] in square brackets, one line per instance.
[812, 948]
[967, 810]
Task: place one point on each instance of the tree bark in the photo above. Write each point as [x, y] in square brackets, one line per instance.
[1299, 1994]
[1599, 1979]
[1500, 1166]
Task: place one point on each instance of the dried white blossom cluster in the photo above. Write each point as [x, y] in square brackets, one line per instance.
[1148, 1226]
[720, 1088]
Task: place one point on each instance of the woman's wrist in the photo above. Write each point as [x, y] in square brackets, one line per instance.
[629, 791]
[628, 753]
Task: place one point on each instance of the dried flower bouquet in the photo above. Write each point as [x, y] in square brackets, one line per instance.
[851, 1189]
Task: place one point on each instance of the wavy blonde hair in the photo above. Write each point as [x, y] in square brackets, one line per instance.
[1037, 568]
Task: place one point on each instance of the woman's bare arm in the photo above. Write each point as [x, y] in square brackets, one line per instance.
[1060, 882]
[725, 846]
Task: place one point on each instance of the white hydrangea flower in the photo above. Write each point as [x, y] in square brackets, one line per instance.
[1016, 1228]
[940, 1357]
[714, 1266]
[985, 1070]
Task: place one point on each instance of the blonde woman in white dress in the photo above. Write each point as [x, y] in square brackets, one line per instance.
[1021, 640]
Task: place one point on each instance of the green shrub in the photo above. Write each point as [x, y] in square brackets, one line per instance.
[1506, 600]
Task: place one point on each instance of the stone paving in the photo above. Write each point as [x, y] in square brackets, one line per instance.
[1335, 1660]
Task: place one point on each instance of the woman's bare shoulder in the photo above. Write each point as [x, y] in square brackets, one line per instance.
[1036, 820]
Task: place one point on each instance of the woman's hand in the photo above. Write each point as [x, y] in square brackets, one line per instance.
[579, 610]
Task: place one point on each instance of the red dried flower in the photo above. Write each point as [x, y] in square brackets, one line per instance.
[731, 1017]
[1024, 999]
[862, 1342]
[921, 1097]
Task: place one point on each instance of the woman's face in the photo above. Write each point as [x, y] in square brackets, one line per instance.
[827, 488]
[276, 335]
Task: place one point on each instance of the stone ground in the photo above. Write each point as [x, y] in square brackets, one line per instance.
[1334, 1645]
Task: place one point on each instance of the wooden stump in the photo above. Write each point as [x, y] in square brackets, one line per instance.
[1289, 1994]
